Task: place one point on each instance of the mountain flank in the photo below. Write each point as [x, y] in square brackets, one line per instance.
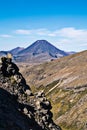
[64, 82]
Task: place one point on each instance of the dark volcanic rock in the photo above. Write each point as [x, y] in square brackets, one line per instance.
[19, 108]
[11, 118]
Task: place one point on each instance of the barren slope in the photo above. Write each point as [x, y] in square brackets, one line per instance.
[71, 70]
[65, 83]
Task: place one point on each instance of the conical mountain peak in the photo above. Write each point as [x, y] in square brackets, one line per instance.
[42, 46]
[40, 50]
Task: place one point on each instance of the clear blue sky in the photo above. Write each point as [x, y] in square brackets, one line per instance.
[61, 22]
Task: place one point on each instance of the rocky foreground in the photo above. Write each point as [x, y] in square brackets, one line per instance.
[20, 109]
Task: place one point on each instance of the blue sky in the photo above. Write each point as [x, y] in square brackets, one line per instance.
[61, 22]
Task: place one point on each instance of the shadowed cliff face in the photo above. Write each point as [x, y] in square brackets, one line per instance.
[11, 117]
[20, 109]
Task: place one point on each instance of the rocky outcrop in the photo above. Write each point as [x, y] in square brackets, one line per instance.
[20, 109]
[12, 117]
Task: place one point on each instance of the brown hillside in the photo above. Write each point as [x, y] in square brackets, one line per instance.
[70, 70]
[65, 83]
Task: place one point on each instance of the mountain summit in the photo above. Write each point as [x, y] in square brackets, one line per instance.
[42, 46]
[41, 50]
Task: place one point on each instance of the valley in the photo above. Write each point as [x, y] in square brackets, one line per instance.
[64, 82]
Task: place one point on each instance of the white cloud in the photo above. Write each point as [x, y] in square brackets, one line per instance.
[5, 36]
[65, 37]
[64, 32]
[41, 31]
[71, 33]
[84, 45]
[71, 38]
[51, 34]
[24, 32]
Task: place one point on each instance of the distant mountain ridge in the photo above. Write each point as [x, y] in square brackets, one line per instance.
[39, 51]
[14, 51]
[3, 53]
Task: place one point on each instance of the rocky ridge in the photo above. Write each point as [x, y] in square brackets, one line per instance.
[20, 109]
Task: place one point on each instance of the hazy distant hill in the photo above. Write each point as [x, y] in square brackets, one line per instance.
[16, 50]
[41, 50]
[65, 83]
[3, 53]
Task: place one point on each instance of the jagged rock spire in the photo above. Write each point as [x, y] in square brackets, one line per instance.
[35, 106]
